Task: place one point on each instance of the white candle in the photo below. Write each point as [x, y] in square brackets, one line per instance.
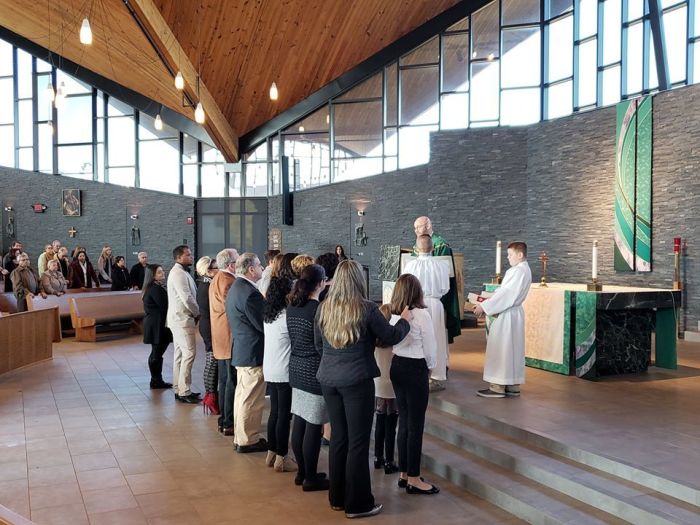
[594, 272]
[498, 257]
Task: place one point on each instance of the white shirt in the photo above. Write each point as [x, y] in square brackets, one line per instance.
[277, 350]
[420, 342]
[434, 275]
[264, 282]
[182, 298]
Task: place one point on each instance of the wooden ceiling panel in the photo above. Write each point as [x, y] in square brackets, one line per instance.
[239, 46]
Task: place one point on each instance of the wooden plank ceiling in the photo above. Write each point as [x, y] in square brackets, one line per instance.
[239, 46]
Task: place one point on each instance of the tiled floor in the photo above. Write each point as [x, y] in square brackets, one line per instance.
[83, 440]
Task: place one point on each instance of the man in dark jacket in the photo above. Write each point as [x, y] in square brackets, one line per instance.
[138, 271]
[244, 310]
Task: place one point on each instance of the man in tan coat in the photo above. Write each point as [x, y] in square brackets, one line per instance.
[221, 335]
[25, 282]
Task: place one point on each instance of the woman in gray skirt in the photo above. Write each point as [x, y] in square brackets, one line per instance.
[308, 406]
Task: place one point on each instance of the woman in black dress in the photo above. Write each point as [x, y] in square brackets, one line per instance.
[155, 333]
[206, 269]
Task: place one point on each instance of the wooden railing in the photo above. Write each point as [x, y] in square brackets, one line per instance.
[27, 338]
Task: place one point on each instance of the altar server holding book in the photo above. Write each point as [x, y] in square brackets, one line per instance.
[434, 277]
[504, 366]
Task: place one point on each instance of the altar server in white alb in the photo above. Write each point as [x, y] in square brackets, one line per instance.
[434, 277]
[504, 366]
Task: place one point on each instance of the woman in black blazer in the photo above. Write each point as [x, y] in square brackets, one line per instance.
[155, 333]
[346, 329]
[120, 275]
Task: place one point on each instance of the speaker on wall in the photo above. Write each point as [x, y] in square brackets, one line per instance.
[287, 196]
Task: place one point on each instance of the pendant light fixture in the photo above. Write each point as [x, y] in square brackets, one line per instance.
[199, 116]
[85, 32]
[274, 94]
[159, 122]
[60, 96]
[50, 92]
[179, 81]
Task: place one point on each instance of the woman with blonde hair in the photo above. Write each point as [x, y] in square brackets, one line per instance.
[104, 265]
[346, 330]
[206, 269]
[300, 262]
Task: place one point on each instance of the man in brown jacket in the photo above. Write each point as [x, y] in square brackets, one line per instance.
[25, 282]
[221, 335]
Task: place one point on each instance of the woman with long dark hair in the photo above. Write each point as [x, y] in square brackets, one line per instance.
[340, 252]
[308, 406]
[155, 333]
[347, 328]
[276, 373]
[410, 377]
[81, 274]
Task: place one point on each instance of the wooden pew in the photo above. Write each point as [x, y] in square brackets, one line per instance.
[27, 338]
[8, 303]
[88, 311]
[51, 301]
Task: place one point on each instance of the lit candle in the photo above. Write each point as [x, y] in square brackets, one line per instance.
[498, 257]
[594, 272]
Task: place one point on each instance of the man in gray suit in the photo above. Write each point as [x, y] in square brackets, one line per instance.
[244, 310]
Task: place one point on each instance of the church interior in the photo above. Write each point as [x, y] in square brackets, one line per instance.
[302, 126]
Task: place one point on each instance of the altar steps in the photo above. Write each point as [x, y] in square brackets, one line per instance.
[543, 481]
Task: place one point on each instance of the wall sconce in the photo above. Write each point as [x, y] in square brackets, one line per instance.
[134, 217]
[8, 208]
[360, 213]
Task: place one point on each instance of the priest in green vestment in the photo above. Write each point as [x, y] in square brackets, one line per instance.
[423, 226]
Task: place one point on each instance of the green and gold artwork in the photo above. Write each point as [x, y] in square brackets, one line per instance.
[633, 156]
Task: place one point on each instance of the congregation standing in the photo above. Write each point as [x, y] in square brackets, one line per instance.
[303, 330]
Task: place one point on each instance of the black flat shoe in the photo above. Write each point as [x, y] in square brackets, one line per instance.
[260, 446]
[316, 485]
[390, 468]
[191, 399]
[410, 489]
[379, 463]
[155, 385]
[403, 483]
[299, 481]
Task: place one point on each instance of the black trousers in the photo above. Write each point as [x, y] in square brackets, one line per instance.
[280, 418]
[351, 411]
[385, 436]
[227, 388]
[306, 444]
[410, 378]
[155, 361]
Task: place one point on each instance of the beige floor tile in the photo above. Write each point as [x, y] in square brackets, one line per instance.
[10, 440]
[141, 464]
[101, 479]
[97, 444]
[132, 448]
[12, 453]
[124, 435]
[61, 515]
[107, 500]
[48, 458]
[49, 443]
[43, 476]
[151, 482]
[44, 431]
[54, 495]
[164, 504]
[94, 461]
[119, 517]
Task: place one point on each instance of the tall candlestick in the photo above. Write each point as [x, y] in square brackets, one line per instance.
[498, 257]
[594, 272]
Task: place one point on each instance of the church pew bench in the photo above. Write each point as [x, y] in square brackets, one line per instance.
[8, 303]
[39, 303]
[27, 338]
[89, 311]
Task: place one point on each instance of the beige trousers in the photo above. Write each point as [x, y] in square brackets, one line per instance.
[248, 404]
[185, 348]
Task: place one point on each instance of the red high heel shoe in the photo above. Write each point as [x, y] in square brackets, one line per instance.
[210, 404]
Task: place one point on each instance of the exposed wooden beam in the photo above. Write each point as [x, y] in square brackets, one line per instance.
[175, 58]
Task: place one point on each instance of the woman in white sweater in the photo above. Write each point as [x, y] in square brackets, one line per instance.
[276, 373]
[410, 373]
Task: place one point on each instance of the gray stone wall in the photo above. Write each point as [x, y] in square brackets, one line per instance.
[106, 209]
[550, 184]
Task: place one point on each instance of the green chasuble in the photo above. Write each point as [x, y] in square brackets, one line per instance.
[450, 300]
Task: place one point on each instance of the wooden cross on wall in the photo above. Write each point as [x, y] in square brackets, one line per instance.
[72, 231]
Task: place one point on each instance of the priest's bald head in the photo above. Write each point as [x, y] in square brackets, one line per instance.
[423, 226]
